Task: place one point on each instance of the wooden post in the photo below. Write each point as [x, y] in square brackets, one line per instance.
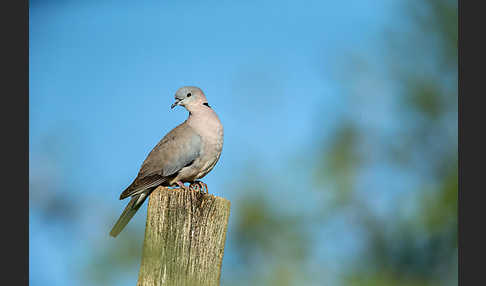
[184, 240]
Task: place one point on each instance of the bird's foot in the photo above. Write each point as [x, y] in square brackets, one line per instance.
[199, 186]
[195, 187]
[182, 186]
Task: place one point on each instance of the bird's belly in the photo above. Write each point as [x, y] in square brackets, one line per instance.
[200, 168]
[206, 168]
[209, 159]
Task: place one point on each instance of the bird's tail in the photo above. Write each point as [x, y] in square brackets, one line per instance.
[132, 207]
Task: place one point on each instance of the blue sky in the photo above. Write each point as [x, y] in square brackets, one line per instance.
[103, 75]
[103, 70]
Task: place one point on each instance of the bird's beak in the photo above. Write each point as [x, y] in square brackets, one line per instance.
[175, 103]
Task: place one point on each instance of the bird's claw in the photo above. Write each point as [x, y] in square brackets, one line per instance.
[199, 186]
[182, 186]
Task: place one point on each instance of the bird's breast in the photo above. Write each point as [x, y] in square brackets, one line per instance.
[212, 147]
[212, 136]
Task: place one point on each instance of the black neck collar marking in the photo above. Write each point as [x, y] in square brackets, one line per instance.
[206, 104]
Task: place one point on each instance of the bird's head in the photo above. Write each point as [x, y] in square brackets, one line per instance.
[190, 97]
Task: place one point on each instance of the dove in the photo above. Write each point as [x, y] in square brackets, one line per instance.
[186, 154]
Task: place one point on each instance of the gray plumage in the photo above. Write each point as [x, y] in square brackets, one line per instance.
[187, 153]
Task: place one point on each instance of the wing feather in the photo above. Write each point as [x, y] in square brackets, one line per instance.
[179, 148]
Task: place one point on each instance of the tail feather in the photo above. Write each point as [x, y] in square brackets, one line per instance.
[129, 211]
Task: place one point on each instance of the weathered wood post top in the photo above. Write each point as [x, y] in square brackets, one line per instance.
[184, 240]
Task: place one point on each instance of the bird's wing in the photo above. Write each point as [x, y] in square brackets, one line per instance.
[178, 149]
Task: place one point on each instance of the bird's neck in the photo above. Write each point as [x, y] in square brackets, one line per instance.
[203, 119]
[200, 111]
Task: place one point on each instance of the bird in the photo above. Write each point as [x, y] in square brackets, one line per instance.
[184, 155]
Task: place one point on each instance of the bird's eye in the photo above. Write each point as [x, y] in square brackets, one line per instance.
[189, 94]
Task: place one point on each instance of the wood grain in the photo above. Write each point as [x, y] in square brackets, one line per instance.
[184, 240]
